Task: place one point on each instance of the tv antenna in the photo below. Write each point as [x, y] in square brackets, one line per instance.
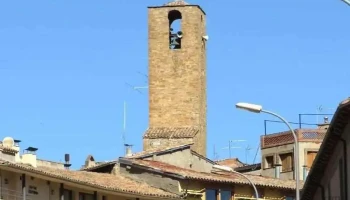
[319, 111]
[247, 149]
[230, 142]
[215, 154]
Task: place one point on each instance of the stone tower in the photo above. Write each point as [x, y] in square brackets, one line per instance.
[177, 77]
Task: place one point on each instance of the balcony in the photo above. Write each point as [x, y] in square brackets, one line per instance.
[283, 138]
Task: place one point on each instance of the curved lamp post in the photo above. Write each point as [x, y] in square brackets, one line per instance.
[258, 109]
[229, 169]
[347, 2]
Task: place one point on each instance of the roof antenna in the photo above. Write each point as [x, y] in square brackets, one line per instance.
[124, 123]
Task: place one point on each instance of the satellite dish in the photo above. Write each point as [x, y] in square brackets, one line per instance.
[179, 34]
[205, 37]
[8, 142]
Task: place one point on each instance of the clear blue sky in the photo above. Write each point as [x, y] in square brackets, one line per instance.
[64, 64]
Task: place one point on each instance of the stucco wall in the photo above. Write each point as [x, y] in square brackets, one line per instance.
[51, 164]
[275, 151]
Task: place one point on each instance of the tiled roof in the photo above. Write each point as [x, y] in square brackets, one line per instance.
[231, 162]
[7, 149]
[214, 177]
[167, 132]
[177, 3]
[142, 154]
[114, 183]
[98, 165]
[155, 151]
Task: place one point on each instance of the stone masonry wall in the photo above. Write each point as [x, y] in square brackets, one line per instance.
[177, 78]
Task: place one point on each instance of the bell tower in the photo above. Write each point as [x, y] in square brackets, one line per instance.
[177, 76]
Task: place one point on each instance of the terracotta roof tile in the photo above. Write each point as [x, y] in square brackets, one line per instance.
[98, 165]
[231, 162]
[177, 3]
[8, 149]
[167, 132]
[216, 177]
[115, 183]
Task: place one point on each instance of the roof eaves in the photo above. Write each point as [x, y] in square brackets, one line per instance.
[99, 166]
[162, 151]
[151, 169]
[203, 157]
[38, 172]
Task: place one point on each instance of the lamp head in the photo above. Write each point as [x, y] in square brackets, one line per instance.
[249, 107]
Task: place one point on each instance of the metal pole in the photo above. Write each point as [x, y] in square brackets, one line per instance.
[229, 148]
[296, 152]
[229, 169]
[251, 183]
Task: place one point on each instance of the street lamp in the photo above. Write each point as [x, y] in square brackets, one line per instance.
[258, 109]
[347, 2]
[229, 169]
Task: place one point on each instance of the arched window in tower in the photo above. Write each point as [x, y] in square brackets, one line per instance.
[175, 33]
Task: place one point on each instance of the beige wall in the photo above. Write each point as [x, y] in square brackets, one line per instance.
[275, 151]
[51, 164]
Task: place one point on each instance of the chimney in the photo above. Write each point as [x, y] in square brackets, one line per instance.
[325, 124]
[67, 160]
[128, 150]
[16, 146]
[29, 156]
[277, 170]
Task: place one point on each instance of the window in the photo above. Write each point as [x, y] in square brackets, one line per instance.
[84, 196]
[311, 155]
[175, 33]
[287, 162]
[210, 194]
[268, 162]
[68, 194]
[225, 195]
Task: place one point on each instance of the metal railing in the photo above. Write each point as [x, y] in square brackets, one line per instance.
[247, 197]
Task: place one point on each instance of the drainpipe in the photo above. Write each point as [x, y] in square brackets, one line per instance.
[345, 167]
[277, 170]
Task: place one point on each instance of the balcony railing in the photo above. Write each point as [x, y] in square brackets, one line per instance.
[246, 197]
[283, 138]
[7, 194]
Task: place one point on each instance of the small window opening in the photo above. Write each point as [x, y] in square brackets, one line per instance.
[175, 33]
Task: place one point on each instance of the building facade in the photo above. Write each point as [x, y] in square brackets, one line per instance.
[24, 177]
[277, 151]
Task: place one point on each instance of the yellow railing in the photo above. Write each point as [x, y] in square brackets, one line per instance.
[246, 197]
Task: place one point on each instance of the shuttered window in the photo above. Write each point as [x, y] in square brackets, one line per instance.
[287, 162]
[311, 155]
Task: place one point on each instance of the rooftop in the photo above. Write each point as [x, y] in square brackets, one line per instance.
[219, 177]
[113, 183]
[165, 132]
[177, 3]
